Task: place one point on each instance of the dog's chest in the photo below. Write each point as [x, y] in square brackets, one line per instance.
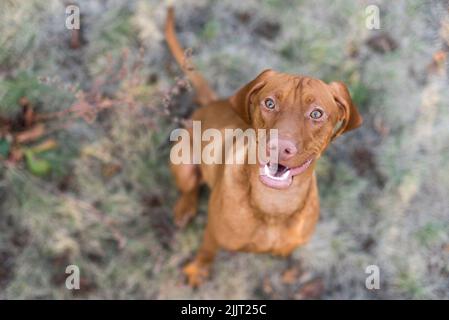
[240, 230]
[271, 238]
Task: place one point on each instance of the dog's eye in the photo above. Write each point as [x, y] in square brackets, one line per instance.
[316, 114]
[269, 104]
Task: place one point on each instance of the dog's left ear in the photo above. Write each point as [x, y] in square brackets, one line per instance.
[241, 101]
[349, 116]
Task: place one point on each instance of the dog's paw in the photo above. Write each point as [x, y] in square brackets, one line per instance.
[196, 273]
[185, 210]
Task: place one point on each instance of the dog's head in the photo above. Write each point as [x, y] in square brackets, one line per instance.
[307, 114]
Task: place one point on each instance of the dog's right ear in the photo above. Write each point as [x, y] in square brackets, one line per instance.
[241, 101]
[351, 118]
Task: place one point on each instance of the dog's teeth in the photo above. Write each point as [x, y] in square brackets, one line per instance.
[285, 175]
[272, 168]
[269, 172]
[266, 170]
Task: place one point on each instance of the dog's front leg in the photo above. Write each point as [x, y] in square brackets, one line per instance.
[198, 270]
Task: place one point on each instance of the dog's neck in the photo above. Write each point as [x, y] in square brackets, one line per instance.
[272, 205]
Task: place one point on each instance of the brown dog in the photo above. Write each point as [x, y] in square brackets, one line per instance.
[250, 208]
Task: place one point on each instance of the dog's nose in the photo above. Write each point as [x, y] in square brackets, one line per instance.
[286, 148]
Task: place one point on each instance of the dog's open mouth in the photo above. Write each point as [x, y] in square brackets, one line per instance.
[279, 176]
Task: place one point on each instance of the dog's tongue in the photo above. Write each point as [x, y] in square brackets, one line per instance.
[276, 176]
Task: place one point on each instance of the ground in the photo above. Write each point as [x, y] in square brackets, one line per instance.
[97, 192]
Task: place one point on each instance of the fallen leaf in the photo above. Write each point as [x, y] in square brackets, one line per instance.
[352, 50]
[382, 43]
[440, 56]
[290, 275]
[438, 63]
[153, 200]
[5, 127]
[266, 286]
[110, 169]
[75, 42]
[380, 126]
[45, 146]
[15, 155]
[243, 17]
[38, 167]
[268, 29]
[5, 146]
[28, 112]
[446, 248]
[96, 152]
[31, 134]
[311, 290]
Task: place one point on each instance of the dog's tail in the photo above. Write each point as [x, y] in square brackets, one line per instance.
[204, 93]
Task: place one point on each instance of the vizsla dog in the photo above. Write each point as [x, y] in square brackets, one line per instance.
[252, 209]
